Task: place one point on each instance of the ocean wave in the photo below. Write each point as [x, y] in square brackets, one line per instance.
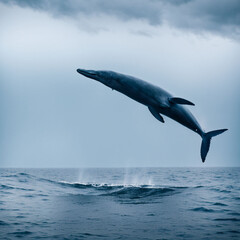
[234, 213]
[227, 219]
[234, 231]
[16, 175]
[100, 189]
[97, 186]
[220, 190]
[125, 191]
[20, 233]
[2, 223]
[220, 204]
[5, 187]
[202, 209]
[140, 192]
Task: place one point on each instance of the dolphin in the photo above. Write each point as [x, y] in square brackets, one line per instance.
[156, 99]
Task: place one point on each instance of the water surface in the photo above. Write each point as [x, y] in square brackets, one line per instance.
[135, 203]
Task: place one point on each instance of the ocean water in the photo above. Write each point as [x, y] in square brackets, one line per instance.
[134, 203]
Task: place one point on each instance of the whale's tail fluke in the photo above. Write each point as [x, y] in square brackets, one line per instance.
[206, 139]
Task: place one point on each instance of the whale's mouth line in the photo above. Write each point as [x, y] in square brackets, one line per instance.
[87, 73]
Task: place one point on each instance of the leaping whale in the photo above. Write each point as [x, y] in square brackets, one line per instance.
[157, 100]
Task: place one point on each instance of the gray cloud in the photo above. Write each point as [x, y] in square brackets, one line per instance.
[222, 17]
[215, 16]
[124, 9]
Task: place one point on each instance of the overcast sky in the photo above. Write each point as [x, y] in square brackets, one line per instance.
[53, 117]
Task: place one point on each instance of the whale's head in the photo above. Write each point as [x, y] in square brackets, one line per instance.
[108, 78]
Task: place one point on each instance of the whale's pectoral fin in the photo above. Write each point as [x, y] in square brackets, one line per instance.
[178, 100]
[156, 114]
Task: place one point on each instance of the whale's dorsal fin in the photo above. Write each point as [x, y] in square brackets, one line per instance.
[156, 114]
[178, 100]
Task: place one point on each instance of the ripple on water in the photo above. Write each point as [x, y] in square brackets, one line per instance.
[220, 204]
[5, 187]
[21, 233]
[234, 214]
[234, 231]
[227, 219]
[202, 209]
[2, 223]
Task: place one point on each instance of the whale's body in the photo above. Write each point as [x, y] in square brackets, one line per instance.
[156, 99]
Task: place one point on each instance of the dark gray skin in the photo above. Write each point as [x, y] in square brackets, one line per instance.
[156, 99]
